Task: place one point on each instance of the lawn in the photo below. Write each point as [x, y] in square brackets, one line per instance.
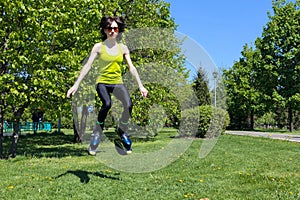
[277, 131]
[49, 166]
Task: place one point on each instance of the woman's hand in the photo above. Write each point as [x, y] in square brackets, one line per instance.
[143, 91]
[72, 91]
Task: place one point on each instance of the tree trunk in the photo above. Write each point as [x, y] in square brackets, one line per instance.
[15, 137]
[84, 115]
[1, 133]
[252, 119]
[291, 124]
[59, 125]
[13, 148]
[77, 138]
[79, 128]
[76, 125]
[1, 146]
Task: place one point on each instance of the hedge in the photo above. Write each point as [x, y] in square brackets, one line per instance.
[203, 121]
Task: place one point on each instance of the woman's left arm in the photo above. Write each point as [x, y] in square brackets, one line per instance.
[133, 71]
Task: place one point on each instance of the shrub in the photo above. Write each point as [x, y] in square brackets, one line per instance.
[203, 121]
[189, 122]
[218, 123]
[205, 116]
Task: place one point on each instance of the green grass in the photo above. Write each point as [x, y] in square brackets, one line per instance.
[278, 131]
[49, 166]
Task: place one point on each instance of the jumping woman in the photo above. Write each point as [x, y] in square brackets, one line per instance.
[110, 54]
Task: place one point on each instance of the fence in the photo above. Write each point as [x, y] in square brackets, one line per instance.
[27, 126]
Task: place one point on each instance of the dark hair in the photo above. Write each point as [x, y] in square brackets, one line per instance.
[107, 21]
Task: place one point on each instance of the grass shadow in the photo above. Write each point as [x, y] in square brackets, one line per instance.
[112, 135]
[60, 145]
[46, 145]
[84, 175]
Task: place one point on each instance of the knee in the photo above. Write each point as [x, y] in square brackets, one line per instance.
[128, 106]
[106, 105]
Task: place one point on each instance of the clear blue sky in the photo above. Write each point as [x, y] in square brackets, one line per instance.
[221, 27]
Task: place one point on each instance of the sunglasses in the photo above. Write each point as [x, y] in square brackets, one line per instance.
[116, 29]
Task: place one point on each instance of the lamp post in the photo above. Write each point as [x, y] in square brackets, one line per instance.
[215, 75]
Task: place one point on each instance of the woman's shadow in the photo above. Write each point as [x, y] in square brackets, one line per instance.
[84, 175]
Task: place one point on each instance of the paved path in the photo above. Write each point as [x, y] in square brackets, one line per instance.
[287, 137]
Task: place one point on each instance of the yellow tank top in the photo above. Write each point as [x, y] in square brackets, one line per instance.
[110, 66]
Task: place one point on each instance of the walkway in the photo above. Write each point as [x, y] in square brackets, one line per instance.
[287, 137]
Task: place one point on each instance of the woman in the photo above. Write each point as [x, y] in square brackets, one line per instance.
[110, 54]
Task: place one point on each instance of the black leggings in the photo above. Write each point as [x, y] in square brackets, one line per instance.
[120, 92]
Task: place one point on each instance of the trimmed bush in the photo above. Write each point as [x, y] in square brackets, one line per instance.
[203, 121]
[189, 122]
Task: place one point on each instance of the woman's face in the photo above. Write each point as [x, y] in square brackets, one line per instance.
[112, 31]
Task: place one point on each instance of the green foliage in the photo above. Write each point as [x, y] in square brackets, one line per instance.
[280, 49]
[159, 63]
[266, 79]
[267, 119]
[164, 96]
[212, 121]
[243, 97]
[189, 122]
[221, 96]
[46, 43]
[204, 121]
[200, 86]
[43, 43]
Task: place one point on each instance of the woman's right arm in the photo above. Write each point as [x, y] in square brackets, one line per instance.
[85, 69]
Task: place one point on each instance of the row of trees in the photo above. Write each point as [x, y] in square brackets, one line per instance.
[266, 79]
[44, 43]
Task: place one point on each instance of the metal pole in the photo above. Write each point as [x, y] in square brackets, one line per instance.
[215, 74]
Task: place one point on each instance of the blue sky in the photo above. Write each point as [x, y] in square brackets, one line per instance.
[221, 27]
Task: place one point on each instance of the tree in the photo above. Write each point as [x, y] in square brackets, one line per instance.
[267, 78]
[221, 96]
[200, 86]
[41, 42]
[157, 58]
[243, 98]
[280, 52]
[44, 43]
